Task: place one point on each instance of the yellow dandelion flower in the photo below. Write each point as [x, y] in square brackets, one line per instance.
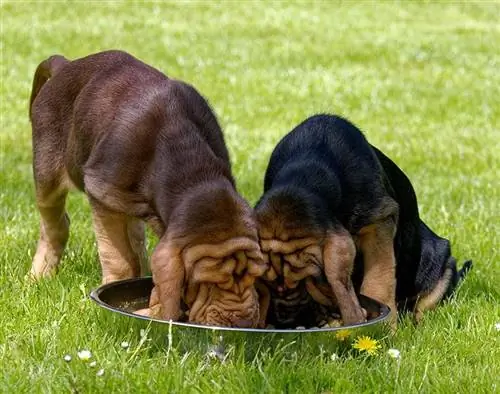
[342, 335]
[366, 344]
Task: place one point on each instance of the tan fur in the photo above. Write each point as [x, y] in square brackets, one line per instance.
[264, 302]
[431, 300]
[320, 295]
[54, 232]
[379, 279]
[339, 252]
[118, 253]
[169, 279]
[303, 259]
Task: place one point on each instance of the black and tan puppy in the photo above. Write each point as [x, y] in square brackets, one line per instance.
[334, 204]
[145, 149]
[325, 197]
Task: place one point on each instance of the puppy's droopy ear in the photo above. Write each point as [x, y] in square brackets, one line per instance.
[338, 257]
[167, 268]
[264, 302]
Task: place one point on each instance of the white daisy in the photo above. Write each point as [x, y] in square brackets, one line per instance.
[67, 358]
[84, 355]
[394, 353]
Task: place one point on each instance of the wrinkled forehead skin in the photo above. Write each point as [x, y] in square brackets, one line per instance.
[292, 261]
[220, 282]
[291, 240]
[293, 232]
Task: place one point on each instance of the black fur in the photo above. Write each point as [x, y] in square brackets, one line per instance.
[325, 173]
[328, 169]
[421, 255]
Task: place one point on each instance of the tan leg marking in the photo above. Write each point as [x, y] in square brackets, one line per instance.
[338, 256]
[118, 258]
[168, 272]
[137, 238]
[430, 300]
[54, 232]
[376, 242]
[320, 295]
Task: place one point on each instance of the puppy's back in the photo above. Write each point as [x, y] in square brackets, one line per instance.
[327, 138]
[329, 151]
[113, 93]
[60, 92]
[116, 126]
[112, 86]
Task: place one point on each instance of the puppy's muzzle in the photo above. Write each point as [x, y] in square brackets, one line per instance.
[215, 306]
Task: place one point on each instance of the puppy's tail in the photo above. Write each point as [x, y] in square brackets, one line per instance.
[464, 271]
[459, 275]
[45, 70]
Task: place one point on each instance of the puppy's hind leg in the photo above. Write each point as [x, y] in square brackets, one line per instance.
[54, 229]
[376, 242]
[119, 258]
[431, 299]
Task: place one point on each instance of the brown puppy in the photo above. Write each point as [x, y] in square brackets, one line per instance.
[145, 149]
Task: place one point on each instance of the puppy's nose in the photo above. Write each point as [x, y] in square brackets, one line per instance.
[243, 323]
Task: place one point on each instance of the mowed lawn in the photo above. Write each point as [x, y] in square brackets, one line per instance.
[421, 80]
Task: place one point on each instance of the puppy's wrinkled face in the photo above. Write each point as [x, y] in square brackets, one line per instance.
[292, 231]
[220, 283]
[222, 260]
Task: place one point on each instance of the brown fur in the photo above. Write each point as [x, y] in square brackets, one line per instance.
[145, 149]
[376, 243]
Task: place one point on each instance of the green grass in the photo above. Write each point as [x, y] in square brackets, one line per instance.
[420, 79]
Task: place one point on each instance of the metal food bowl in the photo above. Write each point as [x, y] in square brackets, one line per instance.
[124, 297]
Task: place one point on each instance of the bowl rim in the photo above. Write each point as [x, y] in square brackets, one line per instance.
[95, 295]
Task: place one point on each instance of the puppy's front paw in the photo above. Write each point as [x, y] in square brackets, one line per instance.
[153, 312]
[354, 316]
[43, 266]
[418, 316]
